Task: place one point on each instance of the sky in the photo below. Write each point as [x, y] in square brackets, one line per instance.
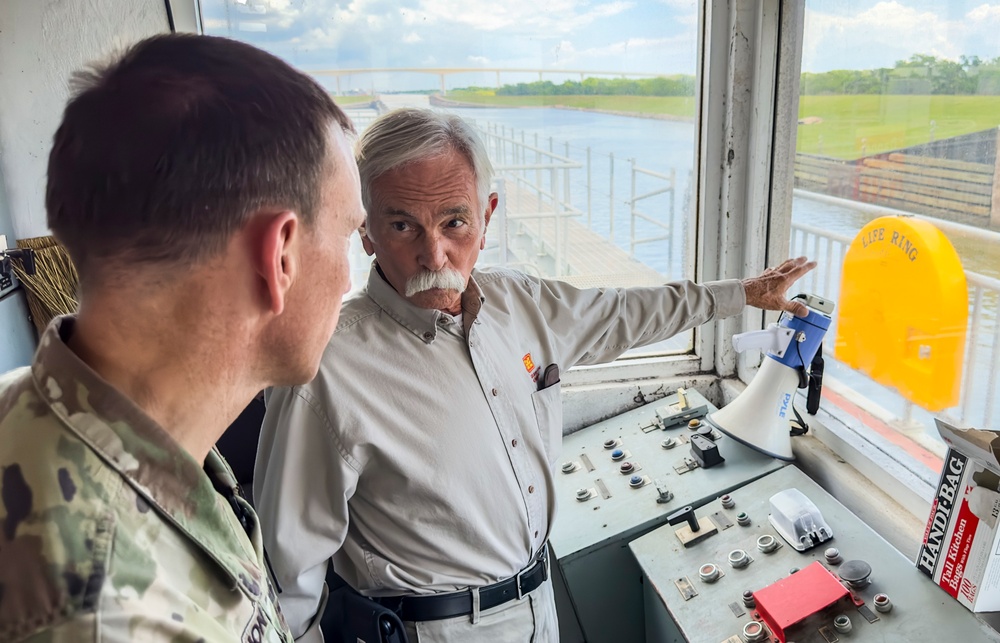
[619, 36]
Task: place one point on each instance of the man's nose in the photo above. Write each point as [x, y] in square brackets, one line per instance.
[432, 254]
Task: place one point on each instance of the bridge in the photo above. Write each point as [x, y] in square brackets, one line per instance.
[442, 72]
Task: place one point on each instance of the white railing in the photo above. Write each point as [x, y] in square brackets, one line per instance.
[664, 228]
[543, 176]
[539, 180]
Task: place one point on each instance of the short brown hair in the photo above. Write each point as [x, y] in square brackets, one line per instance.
[164, 153]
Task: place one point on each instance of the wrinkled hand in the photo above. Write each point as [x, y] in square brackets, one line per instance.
[767, 291]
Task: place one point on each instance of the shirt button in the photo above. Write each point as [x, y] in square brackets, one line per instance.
[472, 343]
[531, 488]
[513, 442]
[536, 533]
[495, 392]
[428, 336]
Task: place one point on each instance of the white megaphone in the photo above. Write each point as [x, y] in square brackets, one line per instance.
[759, 417]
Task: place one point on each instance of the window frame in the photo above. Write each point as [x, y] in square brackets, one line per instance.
[184, 16]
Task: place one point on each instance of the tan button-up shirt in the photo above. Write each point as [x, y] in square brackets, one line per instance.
[420, 458]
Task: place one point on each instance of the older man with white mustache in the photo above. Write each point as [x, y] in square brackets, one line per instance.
[420, 458]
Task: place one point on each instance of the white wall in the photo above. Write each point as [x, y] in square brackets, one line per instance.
[41, 43]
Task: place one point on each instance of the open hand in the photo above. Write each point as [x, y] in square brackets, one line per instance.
[767, 291]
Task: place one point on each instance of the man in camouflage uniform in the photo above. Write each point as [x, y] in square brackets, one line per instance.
[206, 192]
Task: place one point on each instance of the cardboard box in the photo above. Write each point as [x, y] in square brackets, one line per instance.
[961, 547]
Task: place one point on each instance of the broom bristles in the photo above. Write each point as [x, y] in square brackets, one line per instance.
[52, 289]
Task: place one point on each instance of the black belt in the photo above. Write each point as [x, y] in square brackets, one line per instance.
[436, 607]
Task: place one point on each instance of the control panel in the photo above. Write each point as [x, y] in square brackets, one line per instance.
[616, 481]
[781, 561]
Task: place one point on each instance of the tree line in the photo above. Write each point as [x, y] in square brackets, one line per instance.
[920, 74]
[660, 86]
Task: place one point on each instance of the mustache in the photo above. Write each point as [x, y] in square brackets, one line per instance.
[447, 279]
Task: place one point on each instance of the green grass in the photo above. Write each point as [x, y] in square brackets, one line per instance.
[680, 106]
[351, 100]
[854, 126]
[850, 127]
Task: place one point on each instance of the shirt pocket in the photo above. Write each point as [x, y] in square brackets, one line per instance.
[548, 415]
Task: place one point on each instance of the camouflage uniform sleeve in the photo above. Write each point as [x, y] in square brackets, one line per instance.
[80, 630]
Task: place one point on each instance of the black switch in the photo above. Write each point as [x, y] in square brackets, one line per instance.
[705, 452]
[682, 515]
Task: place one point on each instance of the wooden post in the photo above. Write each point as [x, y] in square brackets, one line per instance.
[995, 205]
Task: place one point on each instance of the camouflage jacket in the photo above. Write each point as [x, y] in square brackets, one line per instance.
[109, 531]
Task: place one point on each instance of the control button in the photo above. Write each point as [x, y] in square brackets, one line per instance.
[767, 543]
[617, 454]
[668, 443]
[568, 467]
[842, 623]
[694, 424]
[727, 501]
[882, 603]
[754, 631]
[748, 599]
[742, 519]
[856, 573]
[832, 556]
[626, 467]
[610, 443]
[582, 494]
[738, 558]
[635, 481]
[708, 573]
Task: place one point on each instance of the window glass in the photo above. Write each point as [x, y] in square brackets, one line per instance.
[587, 109]
[897, 194]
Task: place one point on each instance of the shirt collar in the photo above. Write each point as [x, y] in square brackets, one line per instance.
[422, 322]
[162, 473]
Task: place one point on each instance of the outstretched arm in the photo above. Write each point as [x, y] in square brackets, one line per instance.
[767, 290]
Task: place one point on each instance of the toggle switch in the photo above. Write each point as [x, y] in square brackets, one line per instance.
[705, 452]
[696, 529]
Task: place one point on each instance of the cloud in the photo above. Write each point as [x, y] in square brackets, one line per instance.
[891, 30]
[580, 34]
[674, 54]
[557, 16]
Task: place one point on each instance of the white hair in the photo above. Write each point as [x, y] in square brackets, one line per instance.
[411, 134]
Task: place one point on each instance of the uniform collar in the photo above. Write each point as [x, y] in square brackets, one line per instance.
[161, 472]
[422, 322]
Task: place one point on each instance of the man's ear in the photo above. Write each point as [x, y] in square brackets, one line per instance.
[276, 257]
[491, 205]
[366, 243]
